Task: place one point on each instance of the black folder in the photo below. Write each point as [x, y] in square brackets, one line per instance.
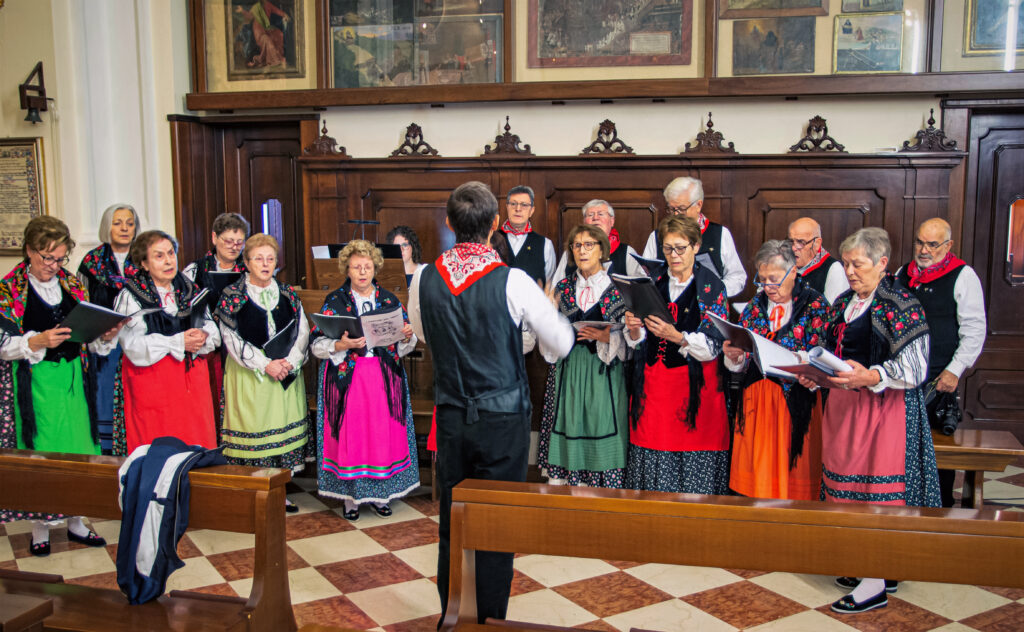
[220, 280]
[88, 321]
[334, 327]
[279, 346]
[642, 297]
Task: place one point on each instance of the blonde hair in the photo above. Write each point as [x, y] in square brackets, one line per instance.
[44, 233]
[258, 241]
[363, 248]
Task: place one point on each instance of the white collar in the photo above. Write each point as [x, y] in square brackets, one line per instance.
[43, 284]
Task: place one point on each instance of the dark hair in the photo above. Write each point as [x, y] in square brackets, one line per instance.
[44, 233]
[594, 232]
[410, 236]
[143, 241]
[471, 212]
[517, 190]
[230, 221]
[682, 226]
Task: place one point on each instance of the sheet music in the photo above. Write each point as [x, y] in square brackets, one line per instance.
[383, 329]
[770, 355]
[600, 324]
[826, 360]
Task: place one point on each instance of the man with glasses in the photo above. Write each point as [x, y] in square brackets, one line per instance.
[525, 249]
[684, 197]
[954, 307]
[601, 214]
[820, 270]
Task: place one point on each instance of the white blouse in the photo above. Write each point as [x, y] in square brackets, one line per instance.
[323, 347]
[588, 293]
[146, 349]
[251, 356]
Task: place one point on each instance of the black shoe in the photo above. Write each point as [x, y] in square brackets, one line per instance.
[291, 507]
[384, 511]
[351, 515]
[89, 539]
[849, 583]
[40, 549]
[847, 605]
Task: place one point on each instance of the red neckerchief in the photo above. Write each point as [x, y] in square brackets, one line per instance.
[816, 262]
[613, 241]
[465, 264]
[932, 272]
[508, 229]
[703, 221]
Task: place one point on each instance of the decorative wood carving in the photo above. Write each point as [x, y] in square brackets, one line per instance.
[931, 138]
[325, 146]
[817, 139]
[414, 144]
[507, 143]
[607, 141]
[709, 142]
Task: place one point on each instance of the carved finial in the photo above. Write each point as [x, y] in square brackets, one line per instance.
[607, 142]
[507, 143]
[325, 146]
[817, 139]
[414, 144]
[711, 141]
[931, 138]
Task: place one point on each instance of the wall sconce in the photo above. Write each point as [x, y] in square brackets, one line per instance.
[35, 102]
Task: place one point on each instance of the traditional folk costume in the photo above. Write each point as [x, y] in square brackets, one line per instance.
[776, 444]
[265, 421]
[103, 272]
[364, 414]
[584, 428]
[620, 260]
[527, 250]
[825, 274]
[717, 246]
[876, 442]
[161, 389]
[679, 441]
[43, 403]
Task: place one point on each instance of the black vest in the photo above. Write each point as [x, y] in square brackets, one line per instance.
[476, 346]
[856, 342]
[41, 316]
[710, 245]
[687, 320]
[817, 277]
[252, 322]
[940, 311]
[530, 258]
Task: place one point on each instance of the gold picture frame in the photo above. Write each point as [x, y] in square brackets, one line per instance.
[979, 16]
[22, 189]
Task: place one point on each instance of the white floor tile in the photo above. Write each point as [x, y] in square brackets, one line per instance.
[547, 607]
[682, 580]
[77, 563]
[6, 553]
[210, 542]
[807, 590]
[669, 616]
[953, 601]
[556, 570]
[807, 621]
[197, 572]
[307, 503]
[336, 547]
[109, 529]
[304, 584]
[400, 512]
[399, 602]
[423, 559]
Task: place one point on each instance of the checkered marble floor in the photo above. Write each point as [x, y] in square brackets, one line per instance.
[379, 574]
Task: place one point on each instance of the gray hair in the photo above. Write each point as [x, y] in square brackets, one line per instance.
[774, 250]
[874, 242]
[592, 203]
[522, 188]
[683, 184]
[108, 218]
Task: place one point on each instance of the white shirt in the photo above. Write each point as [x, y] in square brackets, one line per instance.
[516, 242]
[120, 258]
[146, 349]
[323, 347]
[970, 315]
[906, 370]
[252, 357]
[588, 293]
[733, 275]
[774, 325]
[835, 282]
[696, 344]
[632, 267]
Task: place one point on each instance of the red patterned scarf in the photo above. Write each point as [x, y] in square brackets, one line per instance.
[509, 229]
[814, 263]
[613, 240]
[703, 221]
[932, 272]
[465, 264]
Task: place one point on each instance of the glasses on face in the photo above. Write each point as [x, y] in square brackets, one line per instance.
[520, 205]
[596, 215]
[48, 260]
[366, 268]
[773, 286]
[800, 244]
[232, 243]
[679, 250]
[261, 259]
[930, 245]
[679, 210]
[584, 246]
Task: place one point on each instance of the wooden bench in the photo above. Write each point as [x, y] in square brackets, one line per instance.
[975, 452]
[226, 498]
[963, 546]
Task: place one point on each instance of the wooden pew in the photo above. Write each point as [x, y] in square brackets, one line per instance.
[226, 498]
[905, 543]
[975, 452]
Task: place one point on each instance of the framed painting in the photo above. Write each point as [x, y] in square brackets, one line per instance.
[568, 34]
[22, 189]
[872, 6]
[986, 31]
[868, 43]
[770, 8]
[449, 8]
[265, 39]
[772, 46]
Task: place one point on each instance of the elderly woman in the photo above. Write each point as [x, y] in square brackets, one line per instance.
[584, 431]
[164, 388]
[412, 253]
[265, 408]
[776, 444]
[876, 443]
[679, 441]
[103, 270]
[364, 416]
[43, 402]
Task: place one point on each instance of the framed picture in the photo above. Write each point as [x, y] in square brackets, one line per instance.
[564, 34]
[872, 6]
[449, 8]
[868, 43]
[773, 46]
[22, 189]
[770, 8]
[986, 29]
[265, 39]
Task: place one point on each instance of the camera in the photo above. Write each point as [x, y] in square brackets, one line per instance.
[944, 412]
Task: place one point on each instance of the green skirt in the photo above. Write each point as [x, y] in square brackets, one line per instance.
[61, 409]
[264, 424]
[590, 430]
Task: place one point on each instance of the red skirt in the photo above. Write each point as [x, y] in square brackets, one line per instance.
[662, 424]
[166, 400]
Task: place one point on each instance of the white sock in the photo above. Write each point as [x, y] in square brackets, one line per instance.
[867, 588]
[381, 505]
[40, 532]
[350, 505]
[76, 526]
[556, 481]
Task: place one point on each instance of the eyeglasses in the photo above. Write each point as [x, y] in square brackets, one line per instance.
[800, 244]
[773, 286]
[523, 205]
[262, 259]
[234, 243]
[930, 245]
[679, 250]
[679, 210]
[596, 215]
[367, 268]
[48, 260]
[584, 246]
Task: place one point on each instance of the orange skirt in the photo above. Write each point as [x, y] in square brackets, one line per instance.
[760, 455]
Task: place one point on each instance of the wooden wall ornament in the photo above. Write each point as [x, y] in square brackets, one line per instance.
[414, 145]
[507, 143]
[931, 138]
[709, 142]
[607, 141]
[817, 139]
[325, 146]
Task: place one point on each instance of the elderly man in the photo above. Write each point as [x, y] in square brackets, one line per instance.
[685, 196]
[954, 307]
[601, 214]
[522, 248]
[819, 269]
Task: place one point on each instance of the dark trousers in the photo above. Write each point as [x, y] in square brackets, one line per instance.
[495, 447]
[946, 480]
